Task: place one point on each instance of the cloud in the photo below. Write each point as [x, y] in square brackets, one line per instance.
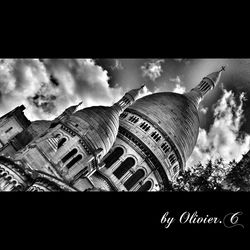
[178, 87]
[144, 92]
[46, 87]
[178, 59]
[181, 60]
[175, 80]
[152, 69]
[20, 79]
[224, 138]
[118, 65]
[203, 110]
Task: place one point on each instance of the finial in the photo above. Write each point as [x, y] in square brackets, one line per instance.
[128, 99]
[223, 68]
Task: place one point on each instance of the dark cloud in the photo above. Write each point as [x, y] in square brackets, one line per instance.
[54, 81]
[112, 66]
[44, 100]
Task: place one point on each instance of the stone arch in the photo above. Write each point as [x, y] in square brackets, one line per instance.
[74, 161]
[113, 156]
[134, 179]
[69, 155]
[61, 142]
[145, 187]
[124, 167]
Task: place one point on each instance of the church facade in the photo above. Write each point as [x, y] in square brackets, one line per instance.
[138, 144]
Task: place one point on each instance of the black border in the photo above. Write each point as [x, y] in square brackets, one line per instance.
[80, 215]
[111, 212]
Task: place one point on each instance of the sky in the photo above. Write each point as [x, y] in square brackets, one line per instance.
[47, 86]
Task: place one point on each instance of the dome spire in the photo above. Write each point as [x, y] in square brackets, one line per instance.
[208, 83]
[128, 99]
[69, 111]
[223, 68]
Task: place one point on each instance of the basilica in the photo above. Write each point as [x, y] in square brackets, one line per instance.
[138, 144]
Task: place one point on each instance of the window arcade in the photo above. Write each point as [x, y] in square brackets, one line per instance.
[155, 136]
[165, 147]
[133, 119]
[144, 126]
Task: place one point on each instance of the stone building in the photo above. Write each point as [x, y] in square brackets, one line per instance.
[138, 144]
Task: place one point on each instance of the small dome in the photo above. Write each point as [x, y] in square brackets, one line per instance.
[99, 125]
[37, 128]
[175, 114]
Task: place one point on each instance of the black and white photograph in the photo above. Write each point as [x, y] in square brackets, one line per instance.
[175, 132]
[136, 125]
[121, 125]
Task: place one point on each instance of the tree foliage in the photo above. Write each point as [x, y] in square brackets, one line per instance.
[238, 179]
[215, 176]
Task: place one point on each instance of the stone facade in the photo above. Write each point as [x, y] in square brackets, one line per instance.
[13, 126]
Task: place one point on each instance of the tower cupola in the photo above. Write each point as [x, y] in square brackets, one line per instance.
[208, 83]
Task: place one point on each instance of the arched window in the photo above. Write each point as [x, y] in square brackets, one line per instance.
[69, 155]
[113, 157]
[74, 161]
[61, 142]
[145, 187]
[139, 174]
[124, 167]
[14, 182]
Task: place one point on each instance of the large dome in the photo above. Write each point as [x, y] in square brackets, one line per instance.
[175, 114]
